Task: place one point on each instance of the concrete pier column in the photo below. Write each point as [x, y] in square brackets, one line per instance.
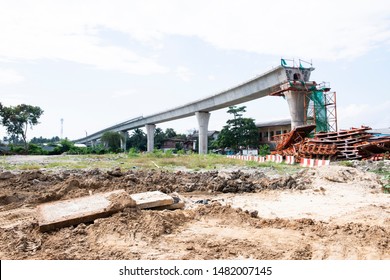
[296, 104]
[150, 136]
[123, 140]
[203, 121]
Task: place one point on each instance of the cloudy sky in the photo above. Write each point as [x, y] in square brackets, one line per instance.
[96, 63]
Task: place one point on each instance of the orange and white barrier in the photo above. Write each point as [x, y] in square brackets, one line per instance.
[270, 157]
[248, 158]
[261, 159]
[305, 162]
[377, 158]
[290, 160]
[321, 162]
[275, 158]
[309, 162]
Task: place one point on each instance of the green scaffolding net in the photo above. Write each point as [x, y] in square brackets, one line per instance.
[317, 97]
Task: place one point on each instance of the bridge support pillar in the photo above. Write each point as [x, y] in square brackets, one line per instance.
[123, 140]
[150, 137]
[203, 121]
[296, 104]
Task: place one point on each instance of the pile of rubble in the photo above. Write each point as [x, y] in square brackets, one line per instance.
[355, 143]
[74, 211]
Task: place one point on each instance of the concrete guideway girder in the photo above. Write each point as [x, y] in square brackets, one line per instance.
[258, 87]
[267, 84]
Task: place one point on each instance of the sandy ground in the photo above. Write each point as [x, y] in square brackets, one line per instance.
[331, 212]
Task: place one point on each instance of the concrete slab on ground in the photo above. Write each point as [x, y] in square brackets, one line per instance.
[178, 203]
[152, 199]
[64, 213]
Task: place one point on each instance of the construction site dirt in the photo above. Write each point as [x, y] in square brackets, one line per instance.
[331, 212]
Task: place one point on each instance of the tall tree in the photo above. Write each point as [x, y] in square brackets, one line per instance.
[170, 133]
[17, 119]
[137, 140]
[112, 140]
[236, 111]
[159, 137]
[238, 131]
[42, 140]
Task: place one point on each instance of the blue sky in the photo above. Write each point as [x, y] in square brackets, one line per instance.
[97, 63]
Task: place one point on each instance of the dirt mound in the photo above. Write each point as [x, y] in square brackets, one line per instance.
[212, 231]
[34, 187]
[343, 174]
[207, 232]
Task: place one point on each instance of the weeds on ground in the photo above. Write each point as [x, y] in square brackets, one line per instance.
[346, 163]
[4, 164]
[386, 183]
[157, 159]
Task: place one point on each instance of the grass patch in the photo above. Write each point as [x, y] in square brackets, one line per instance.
[280, 168]
[346, 163]
[29, 166]
[386, 182]
[157, 159]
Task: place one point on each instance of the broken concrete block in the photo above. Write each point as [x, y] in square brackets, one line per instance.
[6, 175]
[152, 199]
[178, 203]
[64, 213]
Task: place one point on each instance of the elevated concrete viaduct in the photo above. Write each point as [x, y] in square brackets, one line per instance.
[288, 81]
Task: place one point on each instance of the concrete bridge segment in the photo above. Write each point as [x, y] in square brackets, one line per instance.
[287, 81]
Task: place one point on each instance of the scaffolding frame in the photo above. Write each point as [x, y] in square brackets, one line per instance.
[330, 107]
[331, 110]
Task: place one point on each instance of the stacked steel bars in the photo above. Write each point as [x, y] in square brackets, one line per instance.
[348, 142]
[355, 143]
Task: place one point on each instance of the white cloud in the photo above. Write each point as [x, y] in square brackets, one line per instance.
[10, 76]
[211, 77]
[124, 93]
[355, 115]
[70, 30]
[65, 31]
[184, 73]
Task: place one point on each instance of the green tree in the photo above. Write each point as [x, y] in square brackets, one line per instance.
[264, 150]
[159, 138]
[64, 146]
[137, 140]
[236, 111]
[42, 140]
[17, 119]
[112, 140]
[13, 139]
[238, 131]
[170, 133]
